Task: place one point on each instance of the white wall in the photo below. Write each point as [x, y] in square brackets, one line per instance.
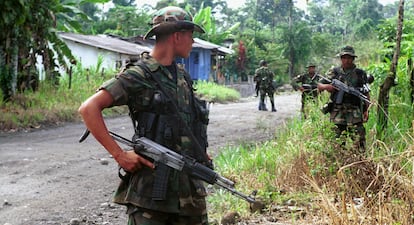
[88, 55]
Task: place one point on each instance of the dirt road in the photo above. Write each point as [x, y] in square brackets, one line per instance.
[47, 177]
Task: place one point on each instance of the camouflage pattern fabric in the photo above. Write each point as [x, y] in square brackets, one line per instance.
[348, 116]
[351, 110]
[170, 19]
[132, 87]
[149, 217]
[307, 94]
[264, 78]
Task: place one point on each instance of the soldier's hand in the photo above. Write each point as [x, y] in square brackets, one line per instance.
[326, 87]
[131, 162]
[366, 116]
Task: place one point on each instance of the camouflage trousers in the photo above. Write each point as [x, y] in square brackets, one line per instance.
[357, 133]
[269, 92]
[141, 216]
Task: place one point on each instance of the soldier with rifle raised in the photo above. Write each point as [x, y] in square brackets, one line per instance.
[349, 101]
[307, 84]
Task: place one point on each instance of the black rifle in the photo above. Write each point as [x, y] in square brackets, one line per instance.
[343, 88]
[309, 87]
[164, 156]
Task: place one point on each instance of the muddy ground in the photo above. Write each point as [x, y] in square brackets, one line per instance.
[47, 177]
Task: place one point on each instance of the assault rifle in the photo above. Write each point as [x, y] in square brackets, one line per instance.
[343, 88]
[162, 155]
[309, 87]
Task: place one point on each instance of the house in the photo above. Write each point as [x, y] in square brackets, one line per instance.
[115, 51]
[205, 59]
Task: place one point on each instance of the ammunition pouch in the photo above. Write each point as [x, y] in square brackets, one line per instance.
[200, 123]
[163, 129]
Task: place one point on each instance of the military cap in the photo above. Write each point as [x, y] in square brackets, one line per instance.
[172, 19]
[262, 62]
[347, 50]
[310, 64]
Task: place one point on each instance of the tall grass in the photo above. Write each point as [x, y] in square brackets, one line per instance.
[309, 165]
[54, 104]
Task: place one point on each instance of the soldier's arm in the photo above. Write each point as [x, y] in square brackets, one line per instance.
[91, 112]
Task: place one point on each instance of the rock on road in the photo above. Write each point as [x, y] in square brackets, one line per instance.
[48, 177]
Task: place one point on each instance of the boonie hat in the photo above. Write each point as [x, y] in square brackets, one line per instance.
[310, 65]
[171, 19]
[347, 50]
[262, 62]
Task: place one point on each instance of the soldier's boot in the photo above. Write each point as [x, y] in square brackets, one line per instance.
[262, 106]
[273, 108]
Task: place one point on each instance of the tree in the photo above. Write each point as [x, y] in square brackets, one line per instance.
[126, 21]
[205, 18]
[383, 97]
[31, 30]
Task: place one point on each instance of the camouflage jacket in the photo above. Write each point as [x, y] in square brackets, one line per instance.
[264, 77]
[133, 87]
[305, 79]
[351, 110]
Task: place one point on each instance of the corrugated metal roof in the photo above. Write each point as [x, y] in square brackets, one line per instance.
[106, 42]
[208, 45]
[126, 47]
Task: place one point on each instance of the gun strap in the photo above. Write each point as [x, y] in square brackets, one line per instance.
[201, 156]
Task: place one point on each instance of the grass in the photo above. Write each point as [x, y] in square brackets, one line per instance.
[305, 163]
[52, 104]
[216, 93]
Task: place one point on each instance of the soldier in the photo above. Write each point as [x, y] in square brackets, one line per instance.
[350, 112]
[308, 85]
[161, 102]
[264, 84]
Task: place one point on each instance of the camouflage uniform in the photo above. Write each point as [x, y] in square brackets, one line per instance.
[132, 87]
[264, 78]
[154, 117]
[309, 82]
[348, 116]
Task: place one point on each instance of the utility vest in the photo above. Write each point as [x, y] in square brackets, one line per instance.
[350, 109]
[356, 78]
[164, 125]
[153, 115]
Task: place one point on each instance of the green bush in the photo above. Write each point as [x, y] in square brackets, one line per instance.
[216, 93]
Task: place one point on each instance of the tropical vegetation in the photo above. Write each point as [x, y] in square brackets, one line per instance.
[304, 160]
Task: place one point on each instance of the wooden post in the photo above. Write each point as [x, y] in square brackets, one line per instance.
[70, 77]
[87, 74]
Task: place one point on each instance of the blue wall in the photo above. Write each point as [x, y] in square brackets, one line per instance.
[198, 64]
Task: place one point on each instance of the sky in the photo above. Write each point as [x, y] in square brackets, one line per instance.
[238, 3]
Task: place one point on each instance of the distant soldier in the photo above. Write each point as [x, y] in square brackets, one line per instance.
[264, 83]
[347, 111]
[307, 83]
